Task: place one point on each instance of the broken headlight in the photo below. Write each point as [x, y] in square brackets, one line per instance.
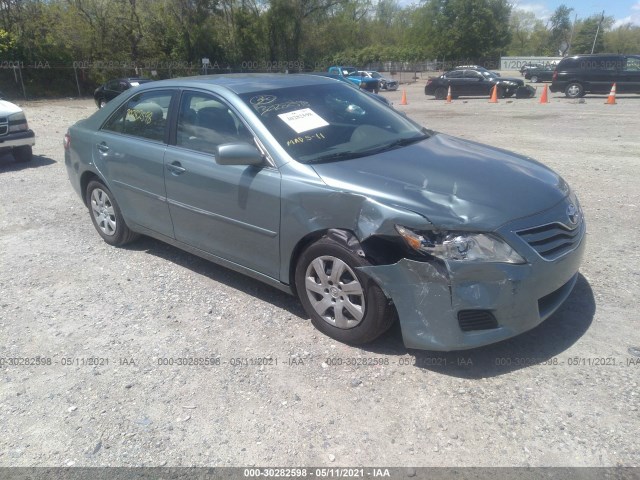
[460, 246]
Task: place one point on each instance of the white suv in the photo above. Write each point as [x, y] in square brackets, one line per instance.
[15, 136]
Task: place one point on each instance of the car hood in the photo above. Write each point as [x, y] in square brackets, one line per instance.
[8, 108]
[454, 183]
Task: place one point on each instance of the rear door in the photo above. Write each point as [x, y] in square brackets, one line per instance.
[129, 151]
[454, 80]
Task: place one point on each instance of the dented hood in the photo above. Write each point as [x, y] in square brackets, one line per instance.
[454, 183]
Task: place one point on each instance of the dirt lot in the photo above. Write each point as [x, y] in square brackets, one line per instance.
[565, 393]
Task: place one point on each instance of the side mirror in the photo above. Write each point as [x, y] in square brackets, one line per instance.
[238, 154]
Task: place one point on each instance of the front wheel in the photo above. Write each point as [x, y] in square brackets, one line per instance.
[342, 302]
[102, 103]
[534, 79]
[106, 215]
[574, 90]
[23, 154]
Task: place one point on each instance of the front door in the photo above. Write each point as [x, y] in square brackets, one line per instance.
[231, 211]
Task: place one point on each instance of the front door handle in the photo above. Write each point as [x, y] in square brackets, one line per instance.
[176, 168]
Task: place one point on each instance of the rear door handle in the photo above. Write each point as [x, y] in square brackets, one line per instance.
[176, 168]
[102, 147]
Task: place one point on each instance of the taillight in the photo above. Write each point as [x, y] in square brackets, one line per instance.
[67, 141]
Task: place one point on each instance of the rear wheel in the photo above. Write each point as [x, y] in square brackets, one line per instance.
[101, 103]
[574, 90]
[106, 215]
[23, 154]
[534, 79]
[342, 302]
[440, 93]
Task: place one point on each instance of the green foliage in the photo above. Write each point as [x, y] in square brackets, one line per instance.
[624, 39]
[94, 40]
[589, 30]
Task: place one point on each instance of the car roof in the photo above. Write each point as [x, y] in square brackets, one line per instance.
[246, 82]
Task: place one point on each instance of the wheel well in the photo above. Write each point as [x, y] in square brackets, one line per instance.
[376, 249]
[84, 181]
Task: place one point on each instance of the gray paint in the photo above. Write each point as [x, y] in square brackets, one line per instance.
[252, 218]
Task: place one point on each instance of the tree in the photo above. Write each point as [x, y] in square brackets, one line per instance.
[464, 28]
[585, 34]
[523, 25]
[560, 28]
[624, 39]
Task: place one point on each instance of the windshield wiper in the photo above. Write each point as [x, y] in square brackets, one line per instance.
[401, 142]
[336, 156]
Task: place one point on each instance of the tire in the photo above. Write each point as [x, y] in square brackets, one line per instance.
[440, 93]
[574, 90]
[534, 79]
[323, 273]
[23, 154]
[106, 216]
[101, 103]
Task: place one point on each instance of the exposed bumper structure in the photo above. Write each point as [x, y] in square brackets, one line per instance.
[435, 300]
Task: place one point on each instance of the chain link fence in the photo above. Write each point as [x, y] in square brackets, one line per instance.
[19, 80]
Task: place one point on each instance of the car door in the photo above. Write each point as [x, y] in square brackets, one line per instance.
[454, 80]
[475, 83]
[231, 211]
[129, 152]
[602, 72]
[629, 76]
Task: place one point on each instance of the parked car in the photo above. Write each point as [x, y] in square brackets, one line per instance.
[537, 75]
[317, 189]
[581, 74]
[353, 75]
[385, 83]
[471, 82]
[477, 68]
[111, 89]
[15, 135]
[379, 98]
[529, 66]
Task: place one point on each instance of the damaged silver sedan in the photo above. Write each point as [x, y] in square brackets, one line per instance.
[319, 190]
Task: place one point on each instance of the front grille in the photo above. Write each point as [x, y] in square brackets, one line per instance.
[471, 320]
[553, 240]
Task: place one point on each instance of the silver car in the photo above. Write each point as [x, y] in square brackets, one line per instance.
[319, 190]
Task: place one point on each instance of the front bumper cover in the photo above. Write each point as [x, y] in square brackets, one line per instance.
[429, 295]
[19, 139]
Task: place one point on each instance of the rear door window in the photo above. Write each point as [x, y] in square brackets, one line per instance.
[143, 115]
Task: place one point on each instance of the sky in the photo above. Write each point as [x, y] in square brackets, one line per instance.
[624, 11]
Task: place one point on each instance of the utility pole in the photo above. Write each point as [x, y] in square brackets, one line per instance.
[597, 31]
[573, 27]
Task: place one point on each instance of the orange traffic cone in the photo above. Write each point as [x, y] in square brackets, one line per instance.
[404, 98]
[449, 95]
[612, 96]
[494, 94]
[544, 98]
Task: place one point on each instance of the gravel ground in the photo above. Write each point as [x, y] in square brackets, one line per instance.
[564, 394]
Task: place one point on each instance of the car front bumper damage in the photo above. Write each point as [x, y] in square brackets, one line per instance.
[429, 297]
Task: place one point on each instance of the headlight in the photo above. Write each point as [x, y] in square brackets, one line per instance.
[460, 246]
[18, 122]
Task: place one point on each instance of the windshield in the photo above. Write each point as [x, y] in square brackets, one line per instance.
[375, 75]
[331, 122]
